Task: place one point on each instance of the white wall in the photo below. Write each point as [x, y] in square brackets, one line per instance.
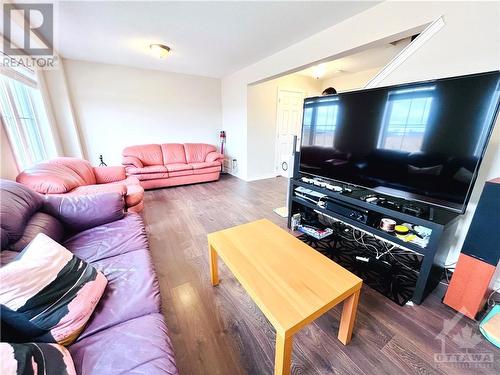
[116, 106]
[350, 81]
[468, 43]
[54, 89]
[262, 106]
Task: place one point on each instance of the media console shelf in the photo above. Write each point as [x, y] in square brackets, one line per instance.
[438, 221]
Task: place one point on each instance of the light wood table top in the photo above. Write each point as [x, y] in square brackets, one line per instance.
[292, 283]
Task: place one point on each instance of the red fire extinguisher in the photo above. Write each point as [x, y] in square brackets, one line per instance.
[222, 136]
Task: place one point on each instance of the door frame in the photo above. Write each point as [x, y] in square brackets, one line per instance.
[276, 136]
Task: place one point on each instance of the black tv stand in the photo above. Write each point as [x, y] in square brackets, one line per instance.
[353, 199]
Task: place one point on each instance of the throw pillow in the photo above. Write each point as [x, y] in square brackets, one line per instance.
[34, 359]
[47, 294]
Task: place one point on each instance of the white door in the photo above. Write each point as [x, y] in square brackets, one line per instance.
[288, 124]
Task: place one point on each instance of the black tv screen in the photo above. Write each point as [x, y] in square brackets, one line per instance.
[421, 141]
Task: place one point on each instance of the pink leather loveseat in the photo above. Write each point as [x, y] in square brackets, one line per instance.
[75, 176]
[171, 164]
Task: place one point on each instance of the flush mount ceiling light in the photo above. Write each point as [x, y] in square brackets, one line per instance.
[159, 50]
[318, 71]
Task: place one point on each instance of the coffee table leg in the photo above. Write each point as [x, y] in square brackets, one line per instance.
[214, 270]
[348, 317]
[283, 358]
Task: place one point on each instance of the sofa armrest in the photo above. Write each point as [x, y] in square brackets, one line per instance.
[214, 156]
[46, 178]
[104, 175]
[132, 160]
[85, 211]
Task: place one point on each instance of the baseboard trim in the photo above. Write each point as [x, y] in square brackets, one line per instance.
[261, 177]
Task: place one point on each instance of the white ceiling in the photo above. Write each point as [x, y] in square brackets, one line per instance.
[371, 58]
[207, 38]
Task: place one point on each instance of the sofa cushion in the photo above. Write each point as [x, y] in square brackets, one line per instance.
[147, 169]
[148, 154]
[79, 166]
[178, 167]
[114, 238]
[173, 153]
[151, 176]
[186, 172]
[82, 212]
[40, 222]
[105, 175]
[17, 204]
[197, 152]
[99, 189]
[55, 301]
[207, 170]
[35, 358]
[132, 290]
[49, 178]
[137, 346]
[206, 164]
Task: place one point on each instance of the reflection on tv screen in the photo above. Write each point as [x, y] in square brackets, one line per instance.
[422, 141]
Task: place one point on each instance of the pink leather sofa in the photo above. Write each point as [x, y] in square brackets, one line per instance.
[171, 164]
[75, 176]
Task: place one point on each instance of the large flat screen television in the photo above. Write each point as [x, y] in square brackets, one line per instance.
[421, 141]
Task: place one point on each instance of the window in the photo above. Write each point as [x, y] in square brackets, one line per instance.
[306, 127]
[406, 119]
[320, 121]
[25, 121]
[326, 121]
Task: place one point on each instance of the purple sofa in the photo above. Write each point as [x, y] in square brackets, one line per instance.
[127, 332]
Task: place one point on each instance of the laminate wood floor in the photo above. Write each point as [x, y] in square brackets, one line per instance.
[221, 331]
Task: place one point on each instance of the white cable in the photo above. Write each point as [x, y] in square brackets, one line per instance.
[404, 265]
[387, 251]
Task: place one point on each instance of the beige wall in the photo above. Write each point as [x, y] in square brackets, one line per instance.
[116, 106]
[262, 106]
[8, 166]
[351, 81]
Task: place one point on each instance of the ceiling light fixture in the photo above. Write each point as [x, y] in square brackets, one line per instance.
[318, 71]
[159, 50]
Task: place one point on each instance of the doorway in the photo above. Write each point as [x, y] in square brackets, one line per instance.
[288, 125]
[274, 106]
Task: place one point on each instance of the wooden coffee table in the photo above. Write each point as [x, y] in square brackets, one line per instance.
[291, 282]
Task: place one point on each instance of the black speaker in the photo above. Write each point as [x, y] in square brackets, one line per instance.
[483, 239]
